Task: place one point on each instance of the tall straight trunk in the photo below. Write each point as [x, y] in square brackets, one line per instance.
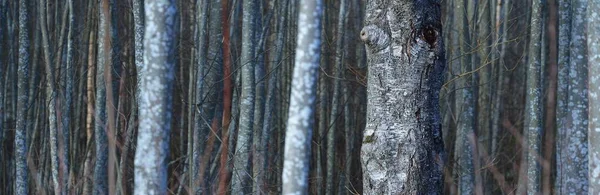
[593, 41]
[101, 138]
[68, 96]
[211, 98]
[402, 151]
[138, 47]
[51, 97]
[268, 136]
[155, 97]
[485, 36]
[500, 69]
[3, 27]
[91, 72]
[333, 118]
[23, 79]
[302, 103]
[109, 46]
[242, 175]
[465, 104]
[199, 121]
[532, 142]
[572, 149]
[227, 100]
[323, 91]
[258, 151]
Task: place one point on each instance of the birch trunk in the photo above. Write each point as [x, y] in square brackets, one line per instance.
[155, 97]
[298, 136]
[593, 41]
[402, 150]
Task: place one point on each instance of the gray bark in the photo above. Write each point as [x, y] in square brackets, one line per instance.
[572, 109]
[402, 151]
[199, 123]
[465, 104]
[532, 142]
[23, 79]
[593, 41]
[68, 97]
[242, 173]
[156, 98]
[100, 121]
[298, 136]
[51, 98]
[333, 118]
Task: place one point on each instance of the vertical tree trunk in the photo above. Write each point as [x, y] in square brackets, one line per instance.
[23, 79]
[104, 59]
[51, 98]
[199, 122]
[532, 142]
[304, 88]
[465, 149]
[593, 41]
[91, 72]
[333, 117]
[67, 114]
[227, 100]
[242, 176]
[108, 8]
[572, 149]
[402, 150]
[156, 99]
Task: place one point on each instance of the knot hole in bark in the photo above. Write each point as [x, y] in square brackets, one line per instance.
[430, 35]
[363, 35]
[374, 38]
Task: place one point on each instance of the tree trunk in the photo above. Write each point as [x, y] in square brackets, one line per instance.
[51, 98]
[593, 41]
[572, 155]
[156, 99]
[304, 92]
[402, 150]
[23, 79]
[242, 175]
[532, 142]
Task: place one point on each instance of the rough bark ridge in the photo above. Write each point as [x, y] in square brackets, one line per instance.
[402, 150]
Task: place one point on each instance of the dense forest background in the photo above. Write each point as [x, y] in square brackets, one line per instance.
[516, 101]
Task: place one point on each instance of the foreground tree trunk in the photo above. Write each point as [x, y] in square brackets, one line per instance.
[155, 98]
[593, 41]
[302, 103]
[402, 150]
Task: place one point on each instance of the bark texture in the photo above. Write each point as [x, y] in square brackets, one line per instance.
[22, 85]
[572, 109]
[242, 175]
[297, 151]
[156, 98]
[402, 151]
[533, 106]
[593, 41]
